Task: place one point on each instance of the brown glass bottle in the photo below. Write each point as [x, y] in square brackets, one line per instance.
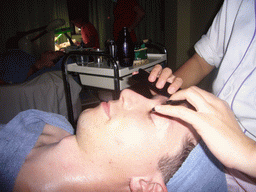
[125, 48]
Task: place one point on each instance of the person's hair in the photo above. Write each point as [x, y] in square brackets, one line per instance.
[168, 165]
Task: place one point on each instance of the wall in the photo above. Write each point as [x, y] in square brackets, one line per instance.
[202, 14]
[183, 30]
[171, 32]
[186, 21]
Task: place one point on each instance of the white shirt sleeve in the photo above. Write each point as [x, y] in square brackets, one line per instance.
[212, 46]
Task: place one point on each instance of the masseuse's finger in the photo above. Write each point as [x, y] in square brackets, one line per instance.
[205, 102]
[181, 112]
[207, 106]
[194, 96]
[176, 83]
[192, 92]
[155, 73]
[165, 75]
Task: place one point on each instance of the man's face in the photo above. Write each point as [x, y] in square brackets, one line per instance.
[130, 134]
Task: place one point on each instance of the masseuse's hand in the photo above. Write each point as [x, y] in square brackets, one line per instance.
[216, 124]
[165, 75]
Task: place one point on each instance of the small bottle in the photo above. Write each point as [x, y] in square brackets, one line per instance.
[110, 48]
[125, 48]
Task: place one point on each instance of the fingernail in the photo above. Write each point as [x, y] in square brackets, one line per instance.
[171, 90]
[160, 84]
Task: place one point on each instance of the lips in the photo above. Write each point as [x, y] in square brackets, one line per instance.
[106, 108]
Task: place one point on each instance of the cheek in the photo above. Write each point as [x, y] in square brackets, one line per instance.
[136, 135]
[91, 120]
[128, 131]
[130, 140]
[133, 135]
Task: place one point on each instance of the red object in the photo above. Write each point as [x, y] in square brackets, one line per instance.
[124, 17]
[89, 33]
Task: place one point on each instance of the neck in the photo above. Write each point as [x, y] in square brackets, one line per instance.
[96, 172]
[102, 172]
[75, 164]
[66, 166]
[55, 167]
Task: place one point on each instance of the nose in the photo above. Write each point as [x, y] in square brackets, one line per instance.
[132, 100]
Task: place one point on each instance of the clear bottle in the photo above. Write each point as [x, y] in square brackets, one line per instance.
[125, 48]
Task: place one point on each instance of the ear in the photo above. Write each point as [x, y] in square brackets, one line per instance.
[142, 184]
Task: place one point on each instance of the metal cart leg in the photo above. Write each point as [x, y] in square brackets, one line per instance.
[116, 80]
[67, 91]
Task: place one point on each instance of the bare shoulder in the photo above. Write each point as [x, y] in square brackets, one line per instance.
[50, 135]
[43, 159]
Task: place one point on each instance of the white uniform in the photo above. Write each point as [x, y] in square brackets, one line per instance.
[230, 45]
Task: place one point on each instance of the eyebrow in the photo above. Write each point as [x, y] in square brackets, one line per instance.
[175, 102]
[179, 102]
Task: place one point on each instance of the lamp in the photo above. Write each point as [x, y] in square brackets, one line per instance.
[23, 42]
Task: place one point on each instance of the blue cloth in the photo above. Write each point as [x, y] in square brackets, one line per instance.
[15, 65]
[18, 137]
[201, 172]
[56, 67]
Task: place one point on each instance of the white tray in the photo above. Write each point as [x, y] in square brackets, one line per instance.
[102, 76]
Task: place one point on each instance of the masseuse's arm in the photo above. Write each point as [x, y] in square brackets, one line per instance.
[193, 71]
[216, 124]
[190, 73]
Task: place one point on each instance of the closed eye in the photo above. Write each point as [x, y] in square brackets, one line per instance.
[150, 117]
